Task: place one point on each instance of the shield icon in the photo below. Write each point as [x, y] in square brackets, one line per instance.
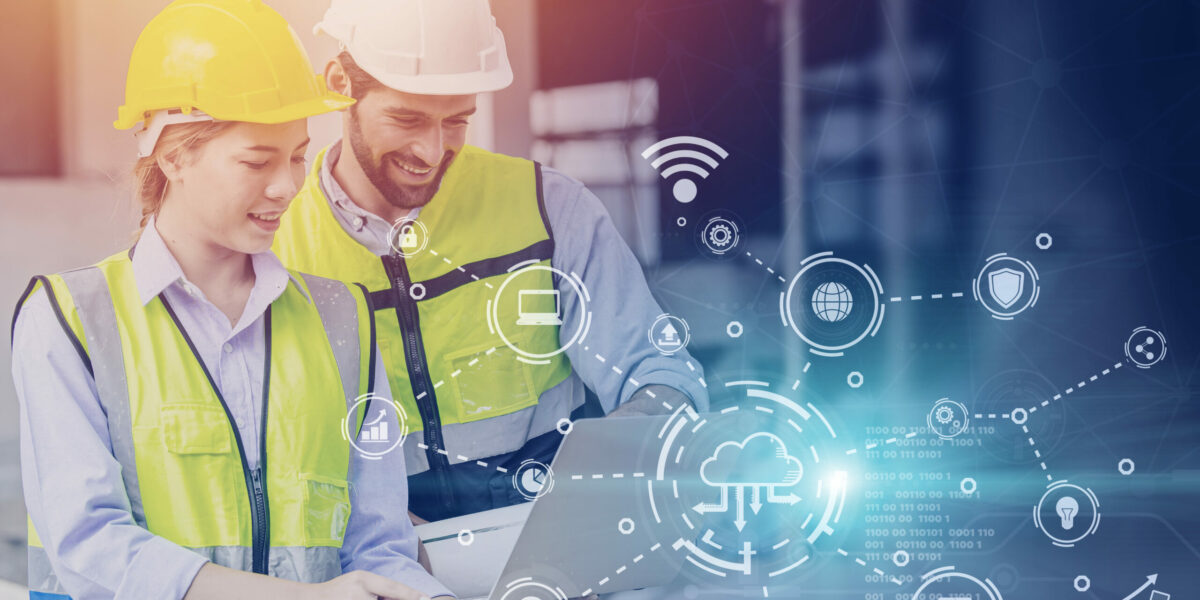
[1006, 285]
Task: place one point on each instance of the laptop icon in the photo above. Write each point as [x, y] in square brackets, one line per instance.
[538, 307]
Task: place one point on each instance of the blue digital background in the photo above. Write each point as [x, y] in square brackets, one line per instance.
[934, 135]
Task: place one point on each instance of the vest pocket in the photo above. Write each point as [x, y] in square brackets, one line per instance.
[496, 384]
[326, 509]
[196, 429]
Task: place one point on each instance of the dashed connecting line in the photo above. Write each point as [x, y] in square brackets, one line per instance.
[875, 570]
[1070, 390]
[459, 267]
[621, 569]
[1037, 453]
[930, 296]
[1078, 386]
[891, 440]
[769, 269]
[1019, 416]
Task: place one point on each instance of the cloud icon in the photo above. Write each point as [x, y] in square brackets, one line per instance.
[759, 460]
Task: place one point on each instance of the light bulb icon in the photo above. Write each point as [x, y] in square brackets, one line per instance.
[1067, 508]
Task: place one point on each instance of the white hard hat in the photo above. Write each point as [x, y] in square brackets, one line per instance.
[433, 47]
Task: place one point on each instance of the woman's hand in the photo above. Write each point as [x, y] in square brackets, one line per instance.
[362, 585]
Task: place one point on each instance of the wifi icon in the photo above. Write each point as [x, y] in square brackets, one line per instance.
[684, 160]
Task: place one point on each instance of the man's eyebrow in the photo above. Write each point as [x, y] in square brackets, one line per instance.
[408, 112]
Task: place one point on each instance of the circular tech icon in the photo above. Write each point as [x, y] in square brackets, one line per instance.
[533, 480]
[720, 234]
[948, 418]
[746, 495]
[946, 583]
[832, 304]
[1006, 286]
[408, 237]
[669, 334]
[1067, 513]
[528, 300]
[1145, 347]
[527, 588]
[381, 429]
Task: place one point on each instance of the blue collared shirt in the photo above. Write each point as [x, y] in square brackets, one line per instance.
[618, 357]
[72, 482]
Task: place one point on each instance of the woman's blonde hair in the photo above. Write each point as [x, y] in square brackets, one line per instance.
[176, 141]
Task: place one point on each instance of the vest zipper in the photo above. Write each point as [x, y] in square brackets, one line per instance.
[261, 521]
[260, 527]
[418, 374]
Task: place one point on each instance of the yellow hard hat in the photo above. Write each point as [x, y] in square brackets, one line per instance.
[235, 60]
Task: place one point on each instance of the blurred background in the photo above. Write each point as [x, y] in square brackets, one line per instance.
[919, 137]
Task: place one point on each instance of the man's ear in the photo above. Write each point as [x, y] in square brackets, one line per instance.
[336, 78]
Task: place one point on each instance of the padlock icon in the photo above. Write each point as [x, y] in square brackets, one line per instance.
[408, 237]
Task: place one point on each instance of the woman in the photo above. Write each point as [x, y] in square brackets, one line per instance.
[181, 402]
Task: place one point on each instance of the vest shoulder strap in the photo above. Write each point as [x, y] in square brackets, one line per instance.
[349, 325]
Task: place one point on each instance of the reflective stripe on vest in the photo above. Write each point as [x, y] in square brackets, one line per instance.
[464, 393]
[166, 424]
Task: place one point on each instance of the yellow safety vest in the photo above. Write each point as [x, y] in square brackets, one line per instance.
[457, 381]
[183, 462]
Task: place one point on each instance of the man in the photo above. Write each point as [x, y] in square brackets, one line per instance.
[436, 230]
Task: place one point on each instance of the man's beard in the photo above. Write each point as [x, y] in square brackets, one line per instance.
[407, 197]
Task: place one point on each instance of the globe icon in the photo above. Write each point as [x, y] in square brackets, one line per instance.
[831, 301]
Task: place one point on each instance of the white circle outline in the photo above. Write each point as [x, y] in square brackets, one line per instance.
[682, 222]
[412, 291]
[579, 292]
[466, 537]
[395, 229]
[1024, 416]
[564, 426]
[1038, 241]
[896, 558]
[621, 526]
[729, 329]
[1084, 581]
[962, 486]
[850, 379]
[1121, 468]
[875, 309]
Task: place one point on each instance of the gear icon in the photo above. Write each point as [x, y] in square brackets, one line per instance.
[720, 235]
[944, 414]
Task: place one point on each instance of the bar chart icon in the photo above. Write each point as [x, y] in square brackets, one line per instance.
[375, 431]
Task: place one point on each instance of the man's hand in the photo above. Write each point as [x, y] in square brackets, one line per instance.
[651, 400]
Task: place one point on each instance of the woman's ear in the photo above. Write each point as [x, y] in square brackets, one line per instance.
[170, 164]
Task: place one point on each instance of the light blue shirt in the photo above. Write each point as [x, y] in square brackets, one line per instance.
[617, 357]
[72, 482]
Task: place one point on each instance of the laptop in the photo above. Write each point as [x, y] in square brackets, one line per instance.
[571, 541]
[538, 307]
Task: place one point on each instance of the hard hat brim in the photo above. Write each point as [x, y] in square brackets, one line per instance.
[445, 85]
[327, 102]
